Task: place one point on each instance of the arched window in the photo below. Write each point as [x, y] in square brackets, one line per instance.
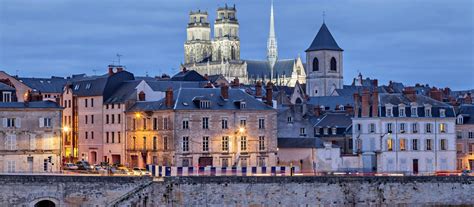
[333, 64]
[141, 96]
[45, 203]
[315, 64]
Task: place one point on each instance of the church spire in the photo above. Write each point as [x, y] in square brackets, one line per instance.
[272, 50]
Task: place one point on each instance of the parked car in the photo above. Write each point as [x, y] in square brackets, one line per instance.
[70, 166]
[136, 171]
[83, 165]
[145, 172]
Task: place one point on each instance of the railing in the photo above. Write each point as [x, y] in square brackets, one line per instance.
[163, 171]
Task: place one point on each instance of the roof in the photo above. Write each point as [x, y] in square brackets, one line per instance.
[125, 92]
[101, 85]
[45, 85]
[261, 68]
[300, 143]
[5, 87]
[467, 111]
[188, 75]
[324, 41]
[421, 100]
[340, 120]
[163, 85]
[331, 101]
[36, 104]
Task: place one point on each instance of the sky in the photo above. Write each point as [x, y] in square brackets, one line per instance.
[409, 41]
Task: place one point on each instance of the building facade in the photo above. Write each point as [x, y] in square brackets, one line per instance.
[31, 133]
[465, 137]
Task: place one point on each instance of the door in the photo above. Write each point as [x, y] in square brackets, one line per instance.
[415, 166]
[471, 164]
[30, 164]
[93, 157]
[134, 161]
[116, 159]
[205, 161]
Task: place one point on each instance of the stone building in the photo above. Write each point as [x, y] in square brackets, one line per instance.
[405, 132]
[202, 127]
[7, 93]
[465, 137]
[31, 133]
[220, 55]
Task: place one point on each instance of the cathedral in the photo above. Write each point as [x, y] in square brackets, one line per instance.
[220, 55]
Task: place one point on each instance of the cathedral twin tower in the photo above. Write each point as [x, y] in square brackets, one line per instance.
[199, 47]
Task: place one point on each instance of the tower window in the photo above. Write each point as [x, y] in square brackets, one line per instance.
[333, 64]
[315, 64]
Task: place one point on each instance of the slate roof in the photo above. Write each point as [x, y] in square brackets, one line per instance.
[45, 85]
[261, 68]
[188, 75]
[101, 85]
[339, 120]
[300, 143]
[331, 101]
[467, 111]
[125, 92]
[324, 41]
[36, 104]
[163, 85]
[397, 98]
[5, 87]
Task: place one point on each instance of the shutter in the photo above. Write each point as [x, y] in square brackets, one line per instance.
[41, 122]
[18, 123]
[4, 122]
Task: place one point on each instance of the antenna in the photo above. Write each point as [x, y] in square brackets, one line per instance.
[324, 16]
[118, 58]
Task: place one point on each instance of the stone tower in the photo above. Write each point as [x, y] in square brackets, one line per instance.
[198, 46]
[226, 44]
[272, 49]
[323, 64]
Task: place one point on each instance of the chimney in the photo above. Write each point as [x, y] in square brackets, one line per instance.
[111, 70]
[356, 104]
[375, 103]
[235, 83]
[349, 109]
[269, 95]
[184, 69]
[375, 83]
[468, 99]
[317, 110]
[119, 69]
[206, 76]
[258, 89]
[208, 85]
[410, 94]
[365, 103]
[225, 91]
[436, 94]
[169, 98]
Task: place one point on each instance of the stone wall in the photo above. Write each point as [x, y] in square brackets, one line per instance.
[22, 190]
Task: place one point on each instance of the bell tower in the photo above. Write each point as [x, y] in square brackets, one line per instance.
[226, 44]
[198, 46]
[324, 67]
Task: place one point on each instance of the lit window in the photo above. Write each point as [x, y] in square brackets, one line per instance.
[442, 128]
[389, 144]
[403, 145]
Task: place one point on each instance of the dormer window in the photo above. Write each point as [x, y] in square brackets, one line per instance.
[76, 87]
[88, 86]
[389, 111]
[333, 130]
[401, 111]
[205, 104]
[243, 105]
[341, 107]
[442, 113]
[460, 120]
[325, 131]
[290, 119]
[427, 112]
[414, 111]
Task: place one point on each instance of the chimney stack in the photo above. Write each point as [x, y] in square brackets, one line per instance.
[206, 76]
[468, 99]
[111, 70]
[169, 98]
[235, 83]
[225, 91]
[375, 103]
[436, 94]
[269, 95]
[356, 105]
[119, 69]
[184, 69]
[317, 110]
[208, 85]
[349, 109]
[410, 94]
[365, 103]
[258, 89]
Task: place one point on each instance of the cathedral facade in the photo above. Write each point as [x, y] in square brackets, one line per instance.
[220, 55]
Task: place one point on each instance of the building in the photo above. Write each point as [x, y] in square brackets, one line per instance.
[324, 64]
[220, 55]
[403, 132]
[465, 137]
[31, 133]
[335, 128]
[7, 93]
[202, 127]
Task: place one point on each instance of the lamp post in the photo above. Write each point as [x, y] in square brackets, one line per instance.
[236, 143]
[65, 131]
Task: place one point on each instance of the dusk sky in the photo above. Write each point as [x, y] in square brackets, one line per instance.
[410, 41]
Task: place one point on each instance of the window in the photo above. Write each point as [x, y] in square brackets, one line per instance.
[92, 119]
[261, 161]
[107, 119]
[358, 128]
[165, 143]
[144, 123]
[87, 135]
[205, 143]
[243, 162]
[86, 119]
[317, 131]
[401, 111]
[134, 146]
[92, 102]
[205, 122]
[428, 128]
[243, 105]
[389, 144]
[107, 137]
[389, 127]
[134, 124]
[414, 143]
[185, 124]
[113, 118]
[46, 122]
[315, 64]
[144, 143]
[11, 165]
[119, 118]
[224, 123]
[372, 128]
[414, 128]
[85, 102]
[428, 112]
[444, 144]
[325, 131]
[69, 103]
[186, 162]
[460, 120]
[165, 123]
[470, 135]
[389, 112]
[303, 131]
[118, 137]
[442, 113]
[155, 123]
[290, 119]
[403, 145]
[45, 165]
[225, 162]
[11, 142]
[185, 144]
[429, 144]
[333, 130]
[10, 122]
[243, 123]
[88, 86]
[414, 111]
[261, 143]
[459, 134]
[205, 104]
[333, 64]
[225, 143]
[261, 123]
[442, 128]
[402, 128]
[92, 135]
[243, 143]
[7, 97]
[113, 137]
[459, 148]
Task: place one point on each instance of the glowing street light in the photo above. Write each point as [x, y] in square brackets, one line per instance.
[66, 129]
[241, 130]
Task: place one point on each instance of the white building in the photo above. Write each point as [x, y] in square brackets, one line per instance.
[403, 133]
